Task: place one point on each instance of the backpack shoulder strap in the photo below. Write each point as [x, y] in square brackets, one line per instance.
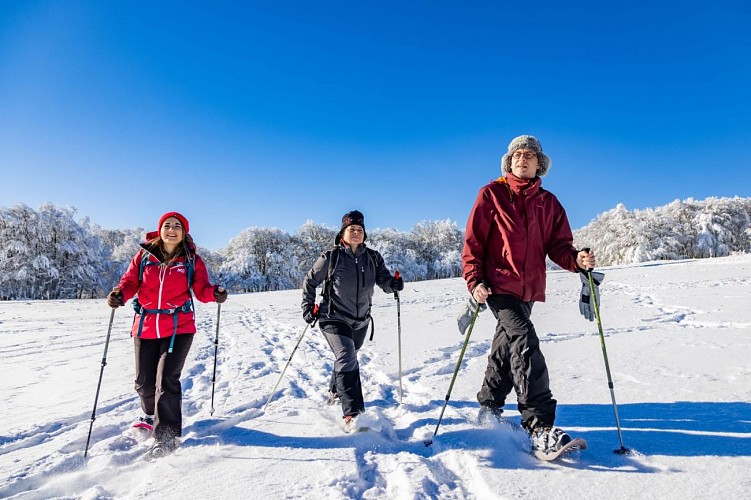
[145, 261]
[373, 257]
[333, 260]
[190, 262]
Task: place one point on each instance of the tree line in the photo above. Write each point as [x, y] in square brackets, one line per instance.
[47, 254]
[687, 229]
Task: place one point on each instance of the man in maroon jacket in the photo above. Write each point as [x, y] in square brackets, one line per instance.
[514, 224]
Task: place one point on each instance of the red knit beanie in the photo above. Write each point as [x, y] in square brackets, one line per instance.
[176, 215]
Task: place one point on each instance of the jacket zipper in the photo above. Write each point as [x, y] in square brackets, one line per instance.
[357, 292]
[162, 274]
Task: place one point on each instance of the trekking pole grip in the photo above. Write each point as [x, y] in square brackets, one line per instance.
[587, 249]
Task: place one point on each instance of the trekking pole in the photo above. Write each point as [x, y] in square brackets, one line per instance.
[99, 385]
[399, 336]
[623, 449]
[315, 311]
[216, 348]
[428, 442]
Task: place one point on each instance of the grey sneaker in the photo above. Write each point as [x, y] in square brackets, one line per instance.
[547, 439]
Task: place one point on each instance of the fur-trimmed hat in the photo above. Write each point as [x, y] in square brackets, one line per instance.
[186, 227]
[526, 142]
[353, 218]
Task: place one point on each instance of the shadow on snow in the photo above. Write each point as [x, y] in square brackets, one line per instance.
[684, 429]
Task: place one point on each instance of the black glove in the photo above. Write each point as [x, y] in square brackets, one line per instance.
[310, 314]
[397, 284]
[586, 305]
[220, 295]
[115, 298]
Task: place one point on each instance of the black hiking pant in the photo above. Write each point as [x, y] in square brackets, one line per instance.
[158, 382]
[345, 379]
[516, 362]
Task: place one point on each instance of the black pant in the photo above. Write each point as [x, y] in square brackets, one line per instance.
[516, 362]
[158, 381]
[345, 379]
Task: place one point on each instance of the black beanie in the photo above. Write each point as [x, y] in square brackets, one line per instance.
[353, 218]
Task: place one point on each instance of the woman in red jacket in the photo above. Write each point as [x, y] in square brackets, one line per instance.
[159, 279]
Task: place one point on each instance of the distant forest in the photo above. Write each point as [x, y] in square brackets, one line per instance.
[47, 254]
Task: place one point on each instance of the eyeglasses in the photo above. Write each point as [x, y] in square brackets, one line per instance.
[527, 155]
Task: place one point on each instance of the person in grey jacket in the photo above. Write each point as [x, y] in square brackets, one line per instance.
[349, 273]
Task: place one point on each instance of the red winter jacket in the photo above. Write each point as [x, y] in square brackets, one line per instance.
[513, 225]
[165, 288]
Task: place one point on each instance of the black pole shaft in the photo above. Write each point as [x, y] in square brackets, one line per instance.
[99, 384]
[399, 341]
[605, 357]
[286, 365]
[458, 365]
[216, 348]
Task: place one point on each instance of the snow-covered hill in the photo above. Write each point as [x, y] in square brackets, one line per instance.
[678, 337]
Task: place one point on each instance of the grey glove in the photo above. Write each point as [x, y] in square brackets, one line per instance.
[465, 318]
[586, 305]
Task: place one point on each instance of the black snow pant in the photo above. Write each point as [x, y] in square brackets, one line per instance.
[516, 362]
[158, 382]
[345, 379]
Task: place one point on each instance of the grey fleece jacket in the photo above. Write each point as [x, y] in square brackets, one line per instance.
[353, 280]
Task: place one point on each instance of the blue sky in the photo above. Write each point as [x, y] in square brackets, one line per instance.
[268, 114]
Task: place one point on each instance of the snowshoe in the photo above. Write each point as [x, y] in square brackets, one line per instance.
[549, 443]
[145, 424]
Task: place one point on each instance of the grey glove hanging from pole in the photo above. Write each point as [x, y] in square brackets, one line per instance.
[465, 319]
[586, 305]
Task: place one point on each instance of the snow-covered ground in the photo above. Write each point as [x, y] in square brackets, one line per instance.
[678, 341]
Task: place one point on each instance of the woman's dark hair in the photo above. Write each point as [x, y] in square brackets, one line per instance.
[185, 248]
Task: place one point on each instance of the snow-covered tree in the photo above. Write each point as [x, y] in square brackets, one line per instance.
[48, 255]
[399, 254]
[310, 241]
[681, 229]
[260, 259]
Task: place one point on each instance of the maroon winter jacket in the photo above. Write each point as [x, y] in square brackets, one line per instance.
[513, 225]
[165, 288]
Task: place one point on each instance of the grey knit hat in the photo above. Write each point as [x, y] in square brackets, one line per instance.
[526, 142]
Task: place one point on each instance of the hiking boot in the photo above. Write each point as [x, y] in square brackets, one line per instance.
[163, 446]
[547, 439]
[349, 423]
[348, 418]
[145, 423]
[488, 412]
